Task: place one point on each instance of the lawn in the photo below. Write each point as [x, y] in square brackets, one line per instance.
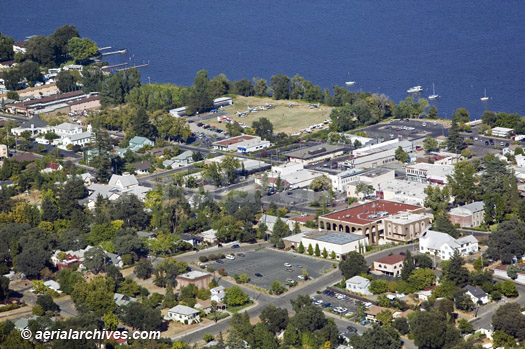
[283, 118]
[233, 309]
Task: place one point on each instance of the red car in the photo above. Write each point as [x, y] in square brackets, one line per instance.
[199, 124]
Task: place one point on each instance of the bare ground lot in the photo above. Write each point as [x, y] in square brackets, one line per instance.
[283, 118]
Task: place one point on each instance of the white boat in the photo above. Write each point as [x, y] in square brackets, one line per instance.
[485, 98]
[350, 83]
[433, 95]
[415, 89]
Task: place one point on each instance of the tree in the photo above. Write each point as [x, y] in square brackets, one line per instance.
[455, 272]
[95, 259]
[509, 319]
[401, 155]
[401, 324]
[437, 199]
[6, 48]
[430, 330]
[300, 249]
[29, 70]
[277, 287]
[140, 125]
[166, 272]
[116, 88]
[92, 80]
[200, 98]
[67, 279]
[32, 259]
[276, 319]
[463, 183]
[508, 288]
[81, 49]
[503, 340]
[432, 112]
[66, 82]
[461, 115]
[423, 261]
[464, 326]
[385, 317]
[140, 316]
[442, 223]
[281, 86]
[325, 252]
[378, 286]
[263, 128]
[377, 337]
[47, 303]
[169, 299]
[462, 301]
[260, 87]
[353, 264]
[507, 241]
[430, 144]
[408, 266]
[187, 294]
[310, 250]
[96, 295]
[243, 87]
[230, 165]
[144, 269]
[321, 183]
[422, 278]
[4, 288]
[454, 139]
[280, 230]
[234, 296]
[40, 49]
[317, 251]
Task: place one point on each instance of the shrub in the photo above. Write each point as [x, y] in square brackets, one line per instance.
[203, 259]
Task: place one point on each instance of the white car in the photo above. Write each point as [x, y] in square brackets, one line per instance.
[229, 256]
[300, 277]
[288, 265]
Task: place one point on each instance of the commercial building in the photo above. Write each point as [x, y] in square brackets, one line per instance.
[242, 144]
[317, 153]
[33, 106]
[390, 265]
[502, 132]
[3, 151]
[374, 177]
[384, 146]
[294, 174]
[341, 180]
[339, 243]
[195, 277]
[366, 219]
[35, 125]
[468, 216]
[405, 226]
[443, 245]
[249, 166]
[429, 173]
[412, 193]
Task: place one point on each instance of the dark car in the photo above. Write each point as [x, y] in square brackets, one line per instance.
[351, 329]
[199, 124]
[259, 275]
[326, 305]
[235, 246]
[300, 267]
[220, 261]
[240, 254]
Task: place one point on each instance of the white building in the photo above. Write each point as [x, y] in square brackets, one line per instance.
[178, 112]
[390, 265]
[222, 102]
[117, 186]
[35, 126]
[374, 177]
[341, 180]
[294, 174]
[520, 160]
[429, 173]
[502, 132]
[412, 193]
[477, 295]
[66, 129]
[183, 314]
[242, 144]
[443, 245]
[340, 243]
[382, 147]
[80, 139]
[358, 284]
[217, 294]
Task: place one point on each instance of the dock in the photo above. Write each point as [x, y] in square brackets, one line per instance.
[123, 51]
[135, 66]
[111, 67]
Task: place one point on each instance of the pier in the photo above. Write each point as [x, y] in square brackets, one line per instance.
[135, 66]
[123, 51]
[109, 68]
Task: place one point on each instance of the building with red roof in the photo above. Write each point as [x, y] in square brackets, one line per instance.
[390, 265]
[368, 219]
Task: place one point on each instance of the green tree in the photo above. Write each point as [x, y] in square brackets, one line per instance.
[377, 337]
[144, 269]
[95, 259]
[507, 241]
[463, 183]
[6, 48]
[300, 249]
[508, 288]
[263, 128]
[437, 199]
[280, 230]
[92, 80]
[454, 139]
[401, 155]
[230, 165]
[321, 183]
[281, 86]
[432, 112]
[353, 264]
[29, 70]
[110, 321]
[59, 40]
[243, 87]
[276, 319]
[421, 278]
[365, 189]
[430, 330]
[317, 251]
[234, 296]
[169, 299]
[140, 316]
[385, 317]
[442, 224]
[81, 48]
[66, 82]
[509, 319]
[310, 250]
[325, 252]
[512, 271]
[401, 324]
[200, 98]
[464, 326]
[378, 286]
[277, 287]
[503, 340]
[96, 295]
[260, 87]
[430, 144]
[408, 266]
[461, 115]
[455, 272]
[40, 49]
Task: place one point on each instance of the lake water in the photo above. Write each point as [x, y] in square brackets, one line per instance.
[463, 46]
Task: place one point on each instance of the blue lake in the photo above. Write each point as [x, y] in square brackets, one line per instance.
[385, 46]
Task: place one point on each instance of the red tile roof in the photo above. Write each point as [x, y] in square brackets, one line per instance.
[52, 165]
[393, 259]
[360, 214]
[235, 140]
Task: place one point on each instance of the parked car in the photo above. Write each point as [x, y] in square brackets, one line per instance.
[300, 277]
[241, 255]
[351, 329]
[220, 261]
[301, 267]
[288, 265]
[235, 246]
[229, 256]
[199, 124]
[259, 275]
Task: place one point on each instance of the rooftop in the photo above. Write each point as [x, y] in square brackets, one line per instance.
[406, 217]
[393, 259]
[235, 140]
[376, 172]
[334, 238]
[184, 310]
[370, 212]
[142, 165]
[194, 274]
[315, 151]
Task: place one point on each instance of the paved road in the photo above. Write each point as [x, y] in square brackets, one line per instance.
[283, 301]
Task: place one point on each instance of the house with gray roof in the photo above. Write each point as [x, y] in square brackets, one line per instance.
[121, 299]
[468, 216]
[183, 159]
[183, 314]
[477, 295]
[443, 245]
[141, 167]
[136, 143]
[117, 186]
[35, 125]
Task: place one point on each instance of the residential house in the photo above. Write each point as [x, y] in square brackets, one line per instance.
[209, 236]
[71, 258]
[35, 126]
[3, 151]
[390, 265]
[53, 285]
[371, 313]
[137, 143]
[183, 159]
[146, 234]
[443, 245]
[502, 132]
[271, 220]
[117, 186]
[24, 157]
[520, 160]
[141, 167]
[218, 294]
[20, 46]
[468, 216]
[358, 284]
[198, 278]
[477, 295]
[52, 167]
[183, 314]
[194, 240]
[122, 299]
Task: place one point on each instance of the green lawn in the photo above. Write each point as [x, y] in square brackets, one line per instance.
[239, 307]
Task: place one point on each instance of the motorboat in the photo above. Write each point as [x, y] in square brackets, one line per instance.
[415, 89]
[350, 83]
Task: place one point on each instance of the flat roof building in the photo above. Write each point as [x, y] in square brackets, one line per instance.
[317, 153]
[502, 132]
[338, 243]
[429, 173]
[365, 219]
[242, 144]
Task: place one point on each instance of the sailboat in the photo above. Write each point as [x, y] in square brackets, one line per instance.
[485, 98]
[433, 95]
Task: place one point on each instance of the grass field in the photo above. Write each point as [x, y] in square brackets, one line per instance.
[283, 118]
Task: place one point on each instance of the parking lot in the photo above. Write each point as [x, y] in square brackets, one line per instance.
[270, 265]
[343, 306]
[408, 129]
